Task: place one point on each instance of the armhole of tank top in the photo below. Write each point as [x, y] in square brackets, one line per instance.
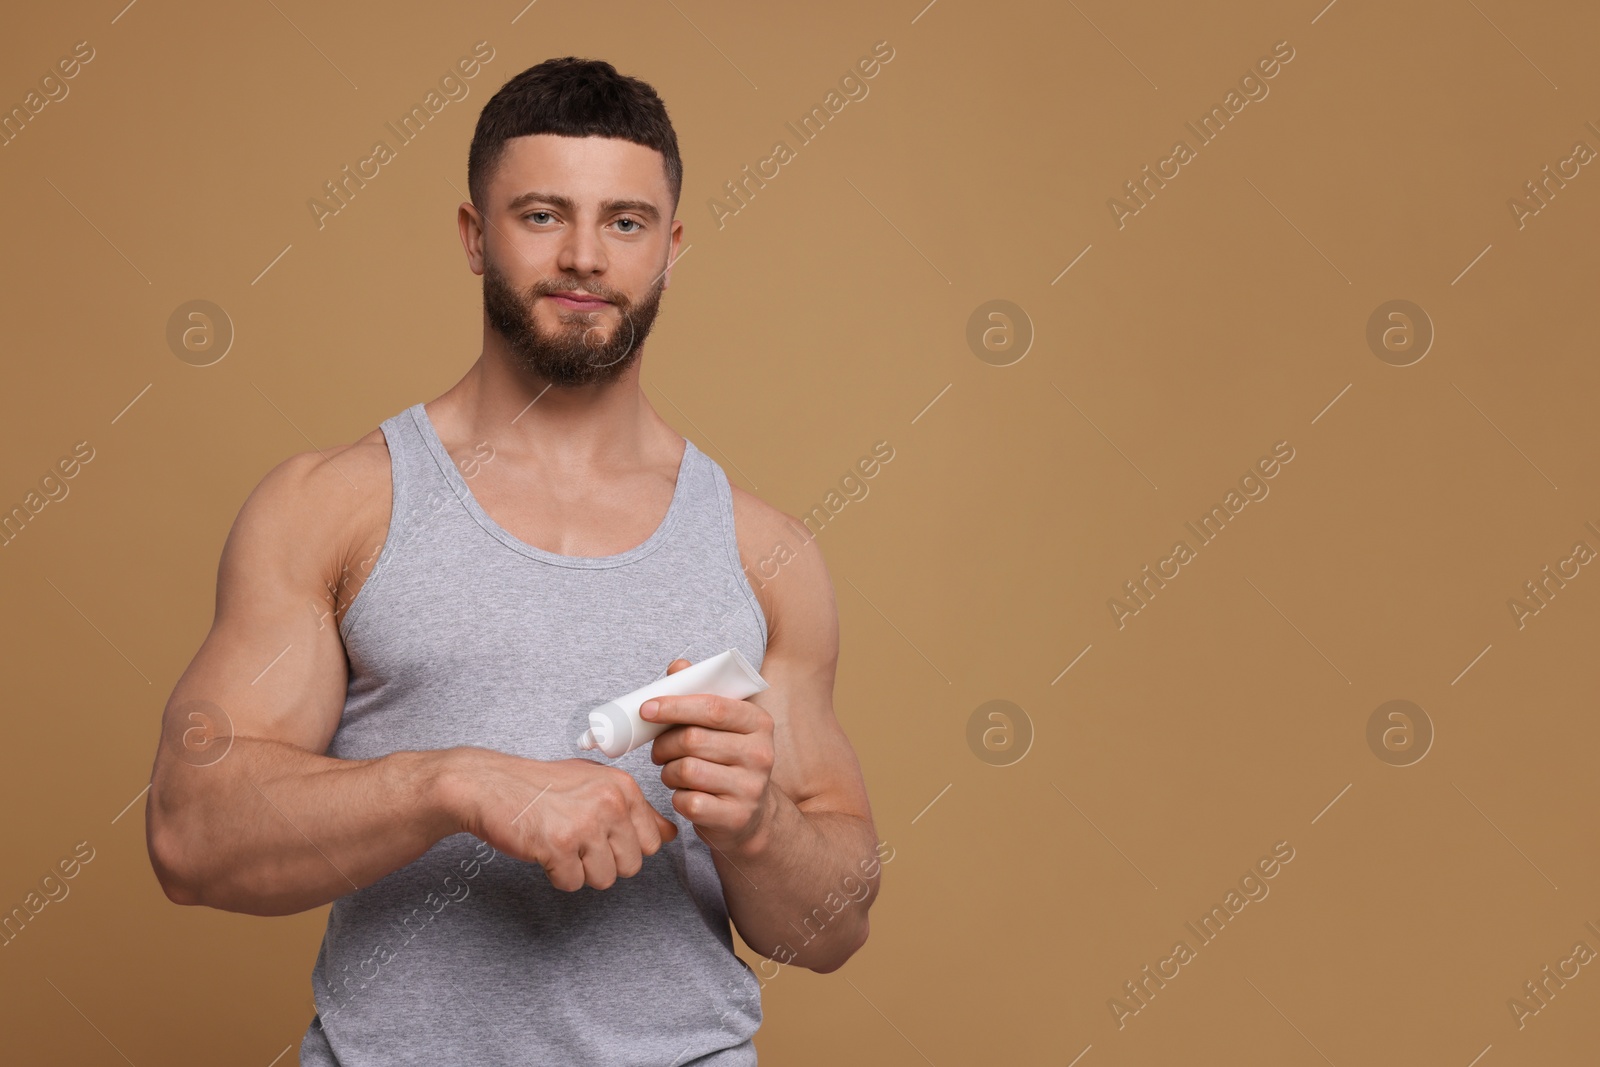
[396, 512]
[730, 538]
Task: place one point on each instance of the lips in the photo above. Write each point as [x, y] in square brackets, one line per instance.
[579, 300]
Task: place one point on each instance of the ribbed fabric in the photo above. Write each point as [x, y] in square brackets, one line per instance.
[465, 635]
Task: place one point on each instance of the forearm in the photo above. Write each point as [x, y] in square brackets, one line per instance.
[272, 829]
[799, 889]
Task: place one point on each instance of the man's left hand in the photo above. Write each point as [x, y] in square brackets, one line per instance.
[717, 758]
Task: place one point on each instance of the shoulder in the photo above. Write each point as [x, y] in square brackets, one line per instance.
[322, 486]
[790, 577]
[323, 508]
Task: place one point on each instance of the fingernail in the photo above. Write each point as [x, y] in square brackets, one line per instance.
[649, 709]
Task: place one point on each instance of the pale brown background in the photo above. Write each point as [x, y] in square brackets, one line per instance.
[830, 314]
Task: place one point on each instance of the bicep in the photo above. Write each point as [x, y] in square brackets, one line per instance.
[272, 665]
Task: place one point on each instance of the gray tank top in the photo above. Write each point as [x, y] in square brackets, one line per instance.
[466, 635]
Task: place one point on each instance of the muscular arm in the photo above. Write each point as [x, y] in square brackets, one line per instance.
[245, 814]
[799, 886]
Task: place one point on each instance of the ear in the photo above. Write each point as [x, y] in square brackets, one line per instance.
[672, 252]
[470, 224]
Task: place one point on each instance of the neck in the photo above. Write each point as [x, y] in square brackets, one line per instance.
[573, 428]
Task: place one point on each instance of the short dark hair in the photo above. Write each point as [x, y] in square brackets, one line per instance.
[571, 97]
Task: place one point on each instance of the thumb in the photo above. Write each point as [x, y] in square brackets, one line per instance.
[668, 828]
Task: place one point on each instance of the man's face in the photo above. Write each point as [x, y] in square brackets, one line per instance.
[573, 218]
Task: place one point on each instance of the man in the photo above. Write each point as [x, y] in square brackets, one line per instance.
[410, 631]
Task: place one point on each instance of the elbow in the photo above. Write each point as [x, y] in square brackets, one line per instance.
[178, 890]
[179, 894]
[854, 945]
[165, 847]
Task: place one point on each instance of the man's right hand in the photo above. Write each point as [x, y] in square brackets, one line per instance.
[583, 822]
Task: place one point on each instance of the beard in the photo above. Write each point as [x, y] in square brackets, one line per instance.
[580, 351]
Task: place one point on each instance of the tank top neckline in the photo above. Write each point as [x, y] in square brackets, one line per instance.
[458, 484]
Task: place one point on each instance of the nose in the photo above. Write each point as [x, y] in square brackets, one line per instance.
[581, 251]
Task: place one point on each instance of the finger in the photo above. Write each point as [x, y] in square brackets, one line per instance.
[646, 823]
[653, 828]
[704, 709]
[706, 811]
[564, 871]
[626, 857]
[704, 776]
[599, 865]
[716, 746]
[677, 665]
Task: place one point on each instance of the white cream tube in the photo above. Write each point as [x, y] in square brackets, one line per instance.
[615, 727]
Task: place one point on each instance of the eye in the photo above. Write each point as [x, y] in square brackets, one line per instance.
[531, 214]
[635, 222]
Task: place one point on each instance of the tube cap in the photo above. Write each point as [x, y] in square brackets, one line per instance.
[586, 740]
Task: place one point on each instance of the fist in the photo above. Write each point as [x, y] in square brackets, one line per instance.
[584, 823]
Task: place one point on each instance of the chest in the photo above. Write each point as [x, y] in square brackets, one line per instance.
[492, 649]
[567, 516]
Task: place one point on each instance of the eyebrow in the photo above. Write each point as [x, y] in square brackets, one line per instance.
[642, 207]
